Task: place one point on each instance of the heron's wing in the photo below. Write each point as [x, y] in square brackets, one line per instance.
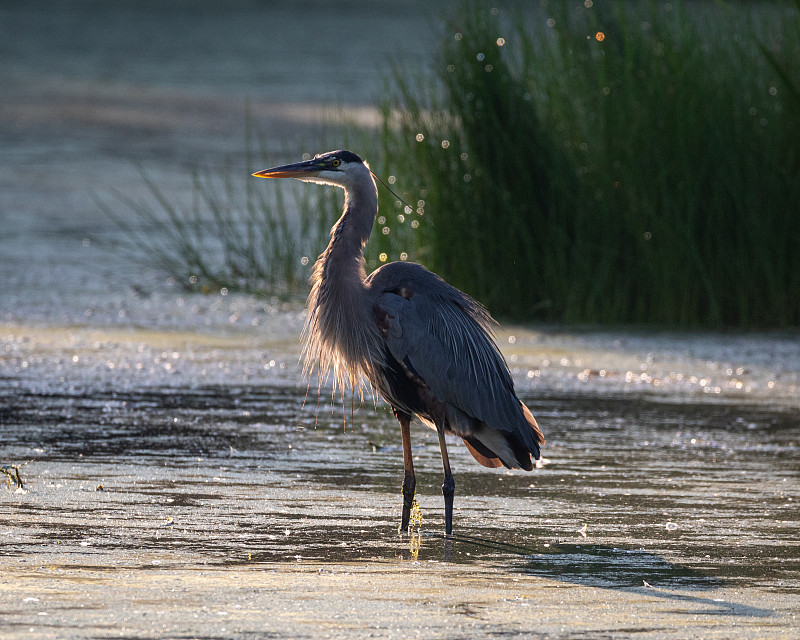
[450, 350]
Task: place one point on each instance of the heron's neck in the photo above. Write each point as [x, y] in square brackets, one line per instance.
[340, 330]
[343, 260]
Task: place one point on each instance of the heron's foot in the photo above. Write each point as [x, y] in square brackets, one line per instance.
[448, 491]
[411, 519]
[404, 521]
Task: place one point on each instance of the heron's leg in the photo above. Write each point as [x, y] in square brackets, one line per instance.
[409, 479]
[449, 485]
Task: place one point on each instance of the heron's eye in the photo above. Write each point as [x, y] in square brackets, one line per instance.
[336, 162]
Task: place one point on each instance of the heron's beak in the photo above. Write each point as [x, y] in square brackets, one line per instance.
[307, 169]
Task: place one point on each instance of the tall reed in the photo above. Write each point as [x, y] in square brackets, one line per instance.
[614, 162]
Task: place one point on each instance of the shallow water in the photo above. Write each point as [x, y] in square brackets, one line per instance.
[675, 495]
[689, 502]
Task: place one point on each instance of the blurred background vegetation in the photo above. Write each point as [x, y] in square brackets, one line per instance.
[614, 162]
[578, 162]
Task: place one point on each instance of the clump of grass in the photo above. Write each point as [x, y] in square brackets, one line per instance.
[614, 162]
[231, 236]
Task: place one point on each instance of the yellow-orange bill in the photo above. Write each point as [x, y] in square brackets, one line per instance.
[305, 169]
[272, 173]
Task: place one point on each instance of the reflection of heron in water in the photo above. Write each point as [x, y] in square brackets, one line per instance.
[424, 345]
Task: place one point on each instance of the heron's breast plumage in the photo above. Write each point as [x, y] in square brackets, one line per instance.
[340, 333]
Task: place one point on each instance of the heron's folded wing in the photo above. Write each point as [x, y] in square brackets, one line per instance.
[454, 355]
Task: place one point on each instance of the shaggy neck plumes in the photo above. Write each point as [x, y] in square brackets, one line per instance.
[340, 332]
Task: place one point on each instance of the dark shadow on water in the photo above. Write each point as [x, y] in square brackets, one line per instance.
[587, 565]
[629, 570]
[613, 567]
[592, 564]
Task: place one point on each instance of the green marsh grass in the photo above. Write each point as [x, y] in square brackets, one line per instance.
[613, 162]
[230, 236]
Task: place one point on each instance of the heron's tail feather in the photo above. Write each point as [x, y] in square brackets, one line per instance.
[482, 454]
[537, 433]
[497, 447]
[493, 449]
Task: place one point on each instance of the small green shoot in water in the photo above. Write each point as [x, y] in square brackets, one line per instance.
[416, 517]
[415, 529]
[415, 520]
[12, 475]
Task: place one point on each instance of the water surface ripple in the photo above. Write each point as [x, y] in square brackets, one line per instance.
[635, 491]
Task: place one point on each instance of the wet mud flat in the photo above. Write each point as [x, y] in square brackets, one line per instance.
[251, 509]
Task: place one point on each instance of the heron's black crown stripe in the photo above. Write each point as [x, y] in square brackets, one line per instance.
[346, 156]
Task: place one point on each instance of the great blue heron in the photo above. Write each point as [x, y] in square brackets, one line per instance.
[425, 346]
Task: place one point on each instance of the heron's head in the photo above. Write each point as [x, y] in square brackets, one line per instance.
[338, 168]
